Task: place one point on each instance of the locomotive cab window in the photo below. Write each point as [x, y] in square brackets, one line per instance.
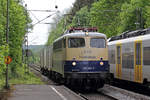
[76, 42]
[98, 43]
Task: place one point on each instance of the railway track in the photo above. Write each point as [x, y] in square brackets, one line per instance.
[95, 96]
[36, 70]
[113, 93]
[35, 67]
[108, 92]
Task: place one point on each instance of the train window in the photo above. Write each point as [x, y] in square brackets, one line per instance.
[64, 42]
[118, 55]
[138, 53]
[76, 42]
[97, 43]
[146, 56]
[127, 57]
[57, 45]
[111, 56]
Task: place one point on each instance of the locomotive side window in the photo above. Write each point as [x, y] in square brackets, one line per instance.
[146, 56]
[97, 43]
[138, 54]
[57, 45]
[64, 42]
[76, 42]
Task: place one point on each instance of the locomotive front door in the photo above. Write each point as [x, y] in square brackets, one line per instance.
[138, 62]
[118, 61]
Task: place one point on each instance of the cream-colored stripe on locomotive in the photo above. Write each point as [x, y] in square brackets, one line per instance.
[84, 54]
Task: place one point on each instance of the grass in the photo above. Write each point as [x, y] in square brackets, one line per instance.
[2, 83]
[28, 78]
[22, 77]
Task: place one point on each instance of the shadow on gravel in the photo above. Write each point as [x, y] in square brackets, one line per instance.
[137, 88]
[82, 90]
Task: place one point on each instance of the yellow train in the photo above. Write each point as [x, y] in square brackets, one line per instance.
[129, 56]
[79, 57]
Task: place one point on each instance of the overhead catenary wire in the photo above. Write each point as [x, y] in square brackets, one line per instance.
[34, 16]
[43, 19]
[47, 23]
[36, 10]
[42, 10]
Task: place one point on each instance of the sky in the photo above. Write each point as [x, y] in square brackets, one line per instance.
[40, 32]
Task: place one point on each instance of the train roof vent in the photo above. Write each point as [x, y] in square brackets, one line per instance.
[75, 30]
[129, 34]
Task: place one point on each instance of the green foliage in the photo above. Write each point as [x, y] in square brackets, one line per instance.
[112, 17]
[22, 77]
[2, 82]
[147, 16]
[34, 56]
[18, 22]
[79, 13]
[56, 31]
[25, 77]
[104, 14]
[3, 52]
[2, 22]
[133, 14]
[18, 25]
[81, 18]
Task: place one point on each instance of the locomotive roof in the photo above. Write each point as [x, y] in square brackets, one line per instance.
[82, 34]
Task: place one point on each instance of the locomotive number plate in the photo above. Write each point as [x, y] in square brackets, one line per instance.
[88, 68]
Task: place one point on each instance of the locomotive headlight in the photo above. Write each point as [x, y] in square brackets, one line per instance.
[86, 33]
[101, 63]
[74, 64]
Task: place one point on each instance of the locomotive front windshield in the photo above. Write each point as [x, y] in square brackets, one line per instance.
[76, 42]
[97, 43]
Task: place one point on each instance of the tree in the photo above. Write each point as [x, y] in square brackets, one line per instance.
[112, 17]
[81, 18]
[17, 29]
[104, 14]
[19, 20]
[134, 15]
